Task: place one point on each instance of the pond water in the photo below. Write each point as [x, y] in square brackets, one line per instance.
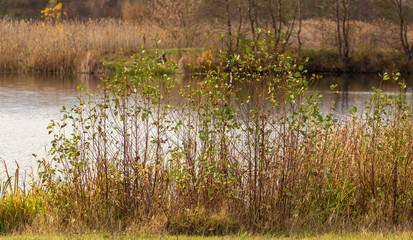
[27, 104]
[355, 90]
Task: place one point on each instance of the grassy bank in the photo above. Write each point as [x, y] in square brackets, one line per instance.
[245, 149]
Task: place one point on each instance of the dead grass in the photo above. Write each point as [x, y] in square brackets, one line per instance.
[321, 34]
[73, 46]
[81, 46]
[331, 236]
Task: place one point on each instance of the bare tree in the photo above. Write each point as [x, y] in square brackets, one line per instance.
[275, 7]
[252, 17]
[300, 19]
[400, 12]
[229, 27]
[178, 18]
[224, 15]
[342, 16]
[240, 5]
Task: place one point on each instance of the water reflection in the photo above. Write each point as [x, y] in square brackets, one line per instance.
[27, 104]
[355, 90]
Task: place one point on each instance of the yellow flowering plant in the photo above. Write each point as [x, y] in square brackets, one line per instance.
[53, 13]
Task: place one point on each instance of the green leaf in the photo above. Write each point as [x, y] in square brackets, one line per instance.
[202, 137]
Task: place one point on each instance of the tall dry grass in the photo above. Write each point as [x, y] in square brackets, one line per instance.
[321, 34]
[81, 46]
[73, 46]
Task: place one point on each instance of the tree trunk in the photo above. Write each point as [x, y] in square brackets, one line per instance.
[343, 27]
[346, 28]
[239, 26]
[338, 28]
[403, 30]
[290, 29]
[279, 20]
[300, 19]
[251, 17]
[229, 27]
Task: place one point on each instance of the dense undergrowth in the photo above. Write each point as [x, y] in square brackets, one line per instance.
[244, 149]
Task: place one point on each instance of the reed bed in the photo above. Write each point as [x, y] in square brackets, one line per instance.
[73, 46]
[81, 46]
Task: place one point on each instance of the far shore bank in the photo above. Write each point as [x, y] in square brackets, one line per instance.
[191, 60]
[71, 47]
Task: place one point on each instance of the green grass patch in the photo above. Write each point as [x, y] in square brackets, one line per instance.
[173, 56]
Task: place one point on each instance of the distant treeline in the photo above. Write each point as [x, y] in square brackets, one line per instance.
[365, 10]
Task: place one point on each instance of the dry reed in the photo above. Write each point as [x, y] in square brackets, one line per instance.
[73, 46]
[81, 46]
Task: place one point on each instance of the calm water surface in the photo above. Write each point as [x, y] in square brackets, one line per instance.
[27, 104]
[355, 90]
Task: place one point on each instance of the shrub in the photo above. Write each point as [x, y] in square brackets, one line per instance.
[247, 144]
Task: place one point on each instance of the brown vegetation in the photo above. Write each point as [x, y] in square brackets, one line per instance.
[352, 40]
[72, 46]
[82, 46]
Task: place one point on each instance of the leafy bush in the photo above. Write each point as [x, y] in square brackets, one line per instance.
[247, 143]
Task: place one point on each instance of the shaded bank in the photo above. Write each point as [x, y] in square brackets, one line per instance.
[373, 61]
